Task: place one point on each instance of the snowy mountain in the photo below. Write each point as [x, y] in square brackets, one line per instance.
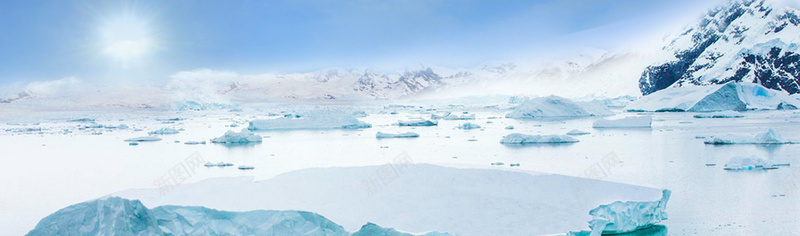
[746, 40]
[119, 216]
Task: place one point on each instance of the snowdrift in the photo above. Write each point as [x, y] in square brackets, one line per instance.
[727, 97]
[557, 107]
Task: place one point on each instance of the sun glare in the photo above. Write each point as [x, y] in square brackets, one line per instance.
[126, 38]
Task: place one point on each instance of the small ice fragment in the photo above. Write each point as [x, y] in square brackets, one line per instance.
[246, 167]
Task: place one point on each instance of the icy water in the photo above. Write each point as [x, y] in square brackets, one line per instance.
[46, 172]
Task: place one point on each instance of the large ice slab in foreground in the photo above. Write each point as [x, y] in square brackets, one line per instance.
[557, 107]
[517, 138]
[731, 96]
[311, 120]
[414, 197]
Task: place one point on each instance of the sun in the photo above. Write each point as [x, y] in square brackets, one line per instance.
[126, 38]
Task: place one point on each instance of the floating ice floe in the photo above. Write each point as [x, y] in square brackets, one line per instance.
[748, 163]
[517, 138]
[627, 122]
[576, 132]
[143, 139]
[769, 137]
[400, 135]
[417, 122]
[163, 131]
[469, 126]
[246, 167]
[194, 142]
[232, 137]
[558, 107]
[310, 120]
[720, 114]
[220, 164]
[625, 217]
[451, 116]
[510, 127]
[727, 97]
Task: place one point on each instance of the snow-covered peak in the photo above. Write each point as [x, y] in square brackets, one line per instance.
[744, 40]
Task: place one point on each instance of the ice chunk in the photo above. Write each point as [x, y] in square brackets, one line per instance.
[469, 126]
[310, 120]
[371, 229]
[243, 167]
[623, 217]
[557, 107]
[232, 137]
[721, 114]
[119, 216]
[194, 142]
[576, 132]
[143, 139]
[417, 122]
[510, 127]
[451, 116]
[769, 137]
[747, 163]
[627, 122]
[163, 131]
[731, 96]
[400, 135]
[517, 138]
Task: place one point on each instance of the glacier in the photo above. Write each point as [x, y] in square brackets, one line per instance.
[732, 96]
[517, 138]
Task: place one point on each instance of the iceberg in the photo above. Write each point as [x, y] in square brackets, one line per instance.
[624, 217]
[576, 132]
[769, 137]
[721, 114]
[143, 139]
[194, 142]
[232, 137]
[517, 138]
[371, 229]
[732, 96]
[509, 127]
[469, 126]
[627, 122]
[119, 216]
[557, 107]
[451, 116]
[400, 135]
[246, 167]
[748, 163]
[311, 120]
[163, 131]
[417, 122]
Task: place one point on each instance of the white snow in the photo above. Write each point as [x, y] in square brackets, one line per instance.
[517, 138]
[627, 122]
[557, 107]
[624, 217]
[769, 137]
[726, 97]
[322, 119]
[488, 202]
[576, 132]
[399, 135]
[231, 137]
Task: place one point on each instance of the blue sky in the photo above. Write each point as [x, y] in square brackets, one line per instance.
[109, 40]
